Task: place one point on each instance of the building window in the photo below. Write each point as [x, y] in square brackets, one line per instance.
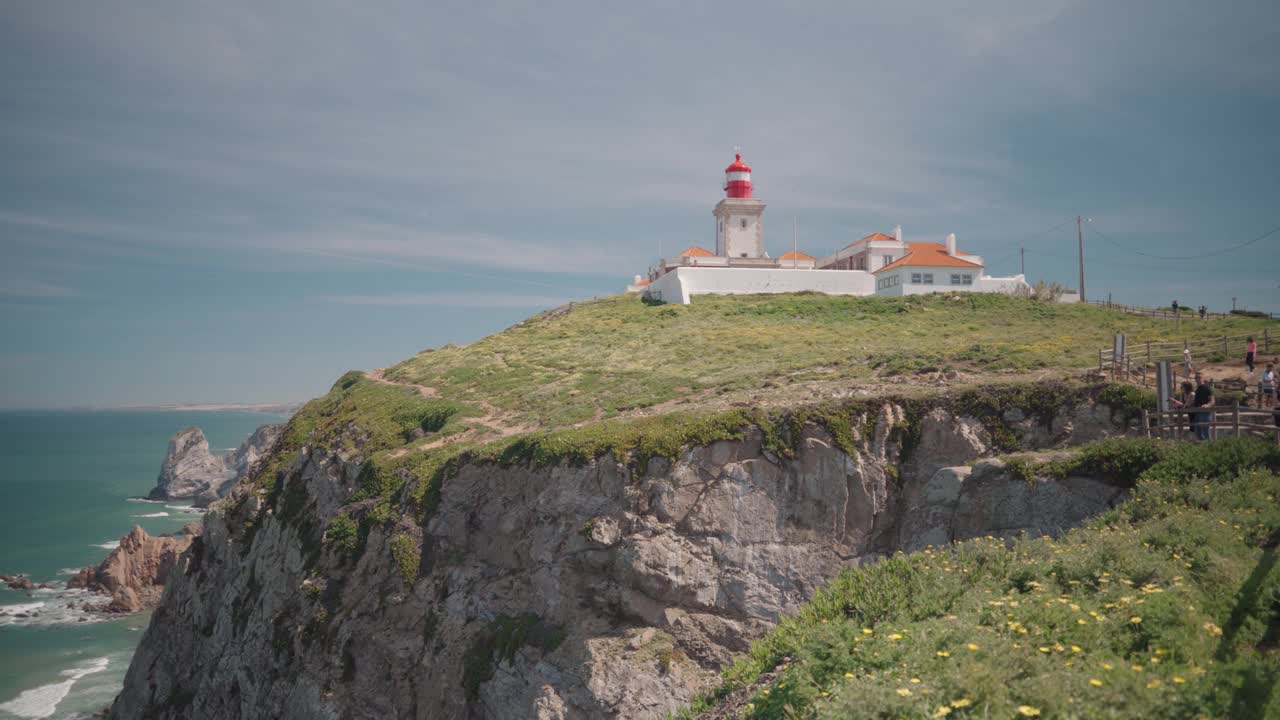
[862, 262]
[744, 223]
[928, 279]
[967, 279]
[955, 279]
[887, 259]
[915, 278]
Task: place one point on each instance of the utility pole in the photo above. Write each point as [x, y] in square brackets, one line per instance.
[1080, 241]
[1022, 255]
[795, 244]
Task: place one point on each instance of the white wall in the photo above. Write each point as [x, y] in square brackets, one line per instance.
[681, 284]
[942, 281]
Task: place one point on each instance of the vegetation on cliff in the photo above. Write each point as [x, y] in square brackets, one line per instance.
[616, 355]
[1167, 606]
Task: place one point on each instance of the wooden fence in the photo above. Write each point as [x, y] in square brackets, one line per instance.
[1137, 364]
[1233, 421]
[1186, 312]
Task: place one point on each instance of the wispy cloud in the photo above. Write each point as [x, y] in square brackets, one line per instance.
[17, 286]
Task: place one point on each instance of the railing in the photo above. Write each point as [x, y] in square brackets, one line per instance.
[1233, 421]
[1135, 364]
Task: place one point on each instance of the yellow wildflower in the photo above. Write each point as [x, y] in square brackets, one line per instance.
[1095, 682]
[1153, 684]
[849, 675]
[867, 631]
[1212, 629]
[904, 692]
[895, 636]
[943, 654]
[973, 646]
[1107, 666]
[1028, 711]
[1179, 680]
[961, 703]
[1136, 619]
[942, 711]
[1076, 649]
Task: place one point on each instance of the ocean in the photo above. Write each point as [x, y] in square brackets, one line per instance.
[66, 479]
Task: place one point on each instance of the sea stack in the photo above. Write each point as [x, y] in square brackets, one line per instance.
[189, 468]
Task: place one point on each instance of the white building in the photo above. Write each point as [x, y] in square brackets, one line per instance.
[878, 264]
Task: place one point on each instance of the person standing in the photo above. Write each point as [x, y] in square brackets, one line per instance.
[1250, 350]
[1267, 386]
[1203, 311]
[1187, 367]
[1200, 421]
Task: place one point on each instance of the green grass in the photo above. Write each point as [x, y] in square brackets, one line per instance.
[1167, 606]
[606, 357]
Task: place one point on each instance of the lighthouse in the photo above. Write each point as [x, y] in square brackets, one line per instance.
[739, 226]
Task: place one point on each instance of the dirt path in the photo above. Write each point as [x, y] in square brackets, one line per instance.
[492, 425]
[378, 375]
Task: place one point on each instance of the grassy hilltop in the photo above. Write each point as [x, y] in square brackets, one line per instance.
[607, 357]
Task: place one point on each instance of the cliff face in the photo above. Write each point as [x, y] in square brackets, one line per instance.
[594, 591]
[188, 468]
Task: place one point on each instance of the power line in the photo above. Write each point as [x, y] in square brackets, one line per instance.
[1247, 243]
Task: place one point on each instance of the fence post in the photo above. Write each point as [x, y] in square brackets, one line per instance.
[1266, 340]
[1235, 417]
[1148, 351]
[1226, 349]
[1146, 424]
[1099, 359]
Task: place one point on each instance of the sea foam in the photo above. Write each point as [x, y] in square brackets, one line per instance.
[152, 515]
[108, 545]
[188, 509]
[41, 702]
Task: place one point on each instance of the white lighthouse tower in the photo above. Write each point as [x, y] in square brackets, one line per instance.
[739, 216]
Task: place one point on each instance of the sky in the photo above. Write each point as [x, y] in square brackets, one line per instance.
[239, 201]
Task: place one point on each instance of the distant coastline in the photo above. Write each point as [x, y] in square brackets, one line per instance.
[280, 408]
[272, 408]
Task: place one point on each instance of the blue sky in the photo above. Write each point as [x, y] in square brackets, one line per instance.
[238, 201]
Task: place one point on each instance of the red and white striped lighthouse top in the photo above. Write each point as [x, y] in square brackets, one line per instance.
[737, 178]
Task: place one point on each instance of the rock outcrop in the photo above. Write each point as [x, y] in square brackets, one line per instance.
[240, 462]
[134, 574]
[601, 590]
[189, 468]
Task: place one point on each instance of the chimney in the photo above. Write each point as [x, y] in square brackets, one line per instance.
[637, 281]
[897, 233]
[951, 244]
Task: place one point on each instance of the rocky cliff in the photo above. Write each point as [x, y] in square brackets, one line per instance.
[188, 468]
[611, 587]
[133, 575]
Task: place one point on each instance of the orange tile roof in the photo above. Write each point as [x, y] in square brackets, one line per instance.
[696, 251]
[643, 282]
[927, 254]
[872, 236]
[797, 255]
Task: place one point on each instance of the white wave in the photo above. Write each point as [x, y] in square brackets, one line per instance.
[142, 499]
[188, 509]
[151, 515]
[12, 610]
[41, 702]
[73, 571]
[58, 606]
[108, 545]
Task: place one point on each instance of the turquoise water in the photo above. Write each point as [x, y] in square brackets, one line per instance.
[65, 483]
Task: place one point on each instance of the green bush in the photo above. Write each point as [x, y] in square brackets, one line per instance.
[343, 534]
[408, 558]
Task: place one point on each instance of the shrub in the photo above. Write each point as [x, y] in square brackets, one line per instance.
[343, 534]
[404, 550]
